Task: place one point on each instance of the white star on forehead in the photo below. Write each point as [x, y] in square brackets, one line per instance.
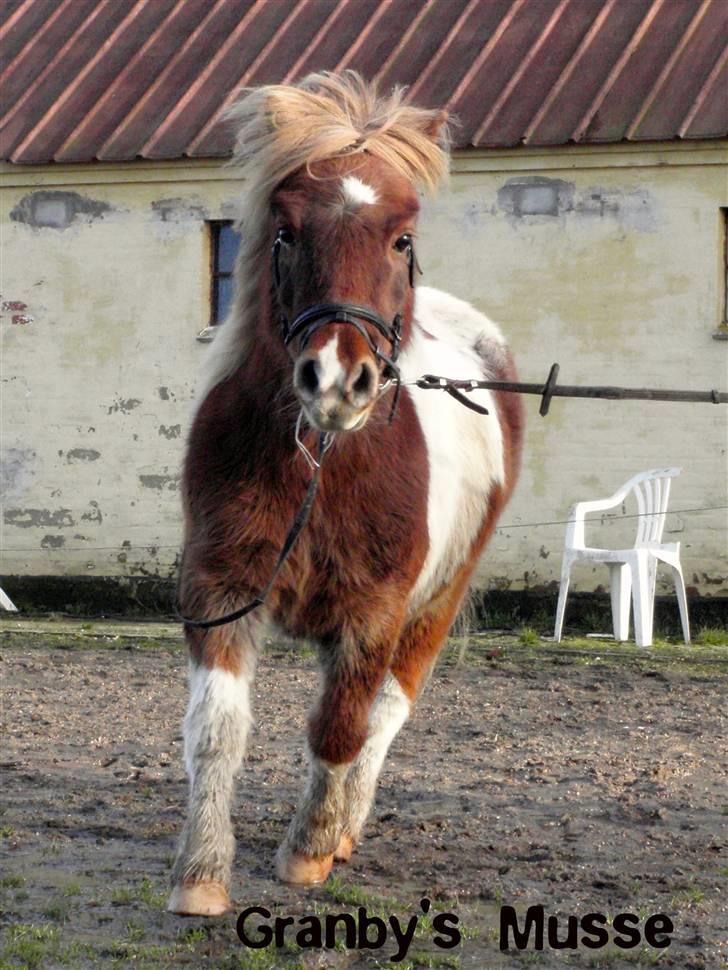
[357, 192]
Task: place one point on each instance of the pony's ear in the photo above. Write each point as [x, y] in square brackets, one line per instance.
[435, 127]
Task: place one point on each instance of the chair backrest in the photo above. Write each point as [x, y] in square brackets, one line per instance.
[652, 491]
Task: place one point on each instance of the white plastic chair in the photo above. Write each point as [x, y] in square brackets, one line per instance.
[631, 570]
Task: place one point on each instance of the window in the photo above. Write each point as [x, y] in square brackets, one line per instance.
[224, 249]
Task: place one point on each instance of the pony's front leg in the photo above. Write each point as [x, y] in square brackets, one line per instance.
[337, 733]
[389, 712]
[412, 662]
[222, 664]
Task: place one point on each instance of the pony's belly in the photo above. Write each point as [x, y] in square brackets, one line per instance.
[465, 461]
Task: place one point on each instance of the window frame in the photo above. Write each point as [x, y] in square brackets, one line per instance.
[216, 274]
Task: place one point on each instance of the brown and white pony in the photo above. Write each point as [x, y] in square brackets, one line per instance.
[404, 508]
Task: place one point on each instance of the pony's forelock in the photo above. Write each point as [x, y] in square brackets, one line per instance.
[282, 128]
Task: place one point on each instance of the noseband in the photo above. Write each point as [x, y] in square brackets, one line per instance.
[309, 321]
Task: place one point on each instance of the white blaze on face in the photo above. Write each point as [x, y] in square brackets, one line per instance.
[357, 192]
[331, 374]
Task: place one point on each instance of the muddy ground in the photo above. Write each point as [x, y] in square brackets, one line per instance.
[587, 779]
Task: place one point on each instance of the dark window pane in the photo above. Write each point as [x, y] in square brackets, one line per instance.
[227, 247]
[223, 297]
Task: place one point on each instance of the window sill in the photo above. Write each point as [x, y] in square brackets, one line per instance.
[721, 333]
[206, 335]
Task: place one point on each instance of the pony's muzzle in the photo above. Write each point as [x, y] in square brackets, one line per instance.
[335, 397]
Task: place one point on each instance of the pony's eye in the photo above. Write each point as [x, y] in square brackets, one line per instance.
[286, 236]
[403, 243]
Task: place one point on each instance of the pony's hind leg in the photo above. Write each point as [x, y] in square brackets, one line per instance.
[215, 731]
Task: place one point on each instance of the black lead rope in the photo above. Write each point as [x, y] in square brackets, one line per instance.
[293, 533]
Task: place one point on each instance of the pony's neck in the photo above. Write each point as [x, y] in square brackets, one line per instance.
[267, 368]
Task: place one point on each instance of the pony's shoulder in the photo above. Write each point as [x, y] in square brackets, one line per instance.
[453, 320]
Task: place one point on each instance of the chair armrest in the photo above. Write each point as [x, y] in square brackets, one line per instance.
[575, 527]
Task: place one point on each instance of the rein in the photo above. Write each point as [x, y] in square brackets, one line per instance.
[299, 522]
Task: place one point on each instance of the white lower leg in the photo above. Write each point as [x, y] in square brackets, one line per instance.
[215, 732]
[390, 710]
[316, 826]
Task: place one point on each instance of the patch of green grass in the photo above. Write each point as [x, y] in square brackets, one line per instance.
[192, 935]
[6, 831]
[528, 637]
[143, 892]
[348, 895]
[37, 947]
[259, 960]
[58, 911]
[72, 889]
[430, 961]
[644, 957]
[135, 933]
[34, 946]
[687, 897]
[11, 881]
[712, 637]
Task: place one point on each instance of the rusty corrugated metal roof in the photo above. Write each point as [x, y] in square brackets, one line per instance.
[122, 79]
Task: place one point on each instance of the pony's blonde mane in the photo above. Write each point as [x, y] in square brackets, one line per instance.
[282, 128]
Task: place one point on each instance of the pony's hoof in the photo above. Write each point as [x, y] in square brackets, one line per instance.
[199, 899]
[302, 870]
[344, 848]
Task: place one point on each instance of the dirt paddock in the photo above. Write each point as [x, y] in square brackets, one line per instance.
[588, 779]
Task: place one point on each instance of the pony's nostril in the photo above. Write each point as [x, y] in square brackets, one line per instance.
[363, 383]
[308, 377]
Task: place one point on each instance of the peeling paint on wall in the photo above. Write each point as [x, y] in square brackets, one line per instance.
[534, 196]
[16, 470]
[160, 482]
[16, 308]
[52, 542]
[178, 209]
[33, 518]
[125, 406]
[49, 209]
[94, 515]
[82, 454]
[173, 431]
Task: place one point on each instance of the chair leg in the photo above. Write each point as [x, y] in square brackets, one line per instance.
[6, 603]
[682, 600]
[643, 597]
[561, 605]
[620, 589]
